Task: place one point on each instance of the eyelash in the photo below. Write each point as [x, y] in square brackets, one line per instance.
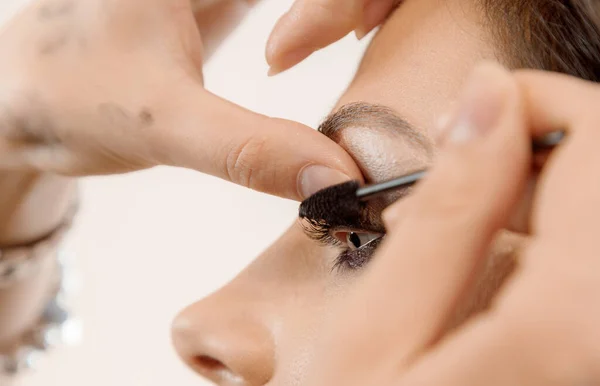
[351, 259]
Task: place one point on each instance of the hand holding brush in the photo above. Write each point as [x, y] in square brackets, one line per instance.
[542, 326]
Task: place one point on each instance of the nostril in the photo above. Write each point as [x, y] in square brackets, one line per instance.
[215, 370]
[209, 363]
[239, 352]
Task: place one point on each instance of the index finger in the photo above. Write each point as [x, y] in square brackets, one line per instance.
[556, 101]
[313, 24]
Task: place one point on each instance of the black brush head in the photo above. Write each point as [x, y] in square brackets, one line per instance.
[337, 205]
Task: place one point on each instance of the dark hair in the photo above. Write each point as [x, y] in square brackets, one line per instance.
[553, 35]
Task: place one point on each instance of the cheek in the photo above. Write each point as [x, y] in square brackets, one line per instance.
[304, 328]
[304, 312]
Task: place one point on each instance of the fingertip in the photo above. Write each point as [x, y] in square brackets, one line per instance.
[313, 178]
[272, 47]
[303, 166]
[360, 33]
[286, 48]
[308, 27]
[284, 61]
[273, 71]
[374, 13]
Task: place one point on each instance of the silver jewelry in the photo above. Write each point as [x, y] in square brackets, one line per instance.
[55, 327]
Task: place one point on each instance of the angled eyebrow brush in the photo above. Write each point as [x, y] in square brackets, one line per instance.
[344, 202]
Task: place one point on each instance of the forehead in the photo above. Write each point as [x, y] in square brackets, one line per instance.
[419, 59]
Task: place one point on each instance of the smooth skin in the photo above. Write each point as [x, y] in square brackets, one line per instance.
[542, 328]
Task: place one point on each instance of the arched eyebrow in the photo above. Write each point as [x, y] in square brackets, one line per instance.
[374, 116]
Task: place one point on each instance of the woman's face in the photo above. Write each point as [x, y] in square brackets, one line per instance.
[261, 328]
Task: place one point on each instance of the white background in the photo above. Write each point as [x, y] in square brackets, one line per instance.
[152, 242]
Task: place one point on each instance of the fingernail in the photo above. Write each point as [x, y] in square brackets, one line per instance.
[316, 177]
[480, 106]
[360, 33]
[273, 70]
[290, 60]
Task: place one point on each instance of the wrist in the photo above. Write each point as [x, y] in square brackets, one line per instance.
[32, 205]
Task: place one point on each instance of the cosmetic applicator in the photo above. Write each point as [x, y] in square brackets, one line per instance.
[344, 202]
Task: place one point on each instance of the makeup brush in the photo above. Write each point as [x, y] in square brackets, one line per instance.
[344, 202]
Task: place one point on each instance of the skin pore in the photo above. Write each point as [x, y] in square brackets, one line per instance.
[262, 327]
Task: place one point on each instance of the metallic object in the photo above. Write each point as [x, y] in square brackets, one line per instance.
[55, 326]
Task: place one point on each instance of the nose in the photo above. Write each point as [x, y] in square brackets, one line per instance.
[226, 338]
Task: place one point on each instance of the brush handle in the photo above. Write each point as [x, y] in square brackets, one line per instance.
[546, 142]
[370, 191]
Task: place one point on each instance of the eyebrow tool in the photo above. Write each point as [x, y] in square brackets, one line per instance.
[345, 201]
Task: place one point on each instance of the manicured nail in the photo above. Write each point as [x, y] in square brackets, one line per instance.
[481, 104]
[316, 177]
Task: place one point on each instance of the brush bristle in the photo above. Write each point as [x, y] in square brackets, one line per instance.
[336, 205]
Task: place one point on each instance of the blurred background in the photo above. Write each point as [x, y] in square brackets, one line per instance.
[148, 244]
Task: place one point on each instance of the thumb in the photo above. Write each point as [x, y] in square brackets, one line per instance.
[313, 24]
[202, 131]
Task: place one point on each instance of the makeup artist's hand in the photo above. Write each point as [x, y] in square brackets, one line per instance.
[542, 328]
[96, 86]
[314, 24]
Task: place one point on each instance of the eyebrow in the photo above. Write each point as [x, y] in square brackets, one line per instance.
[376, 117]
